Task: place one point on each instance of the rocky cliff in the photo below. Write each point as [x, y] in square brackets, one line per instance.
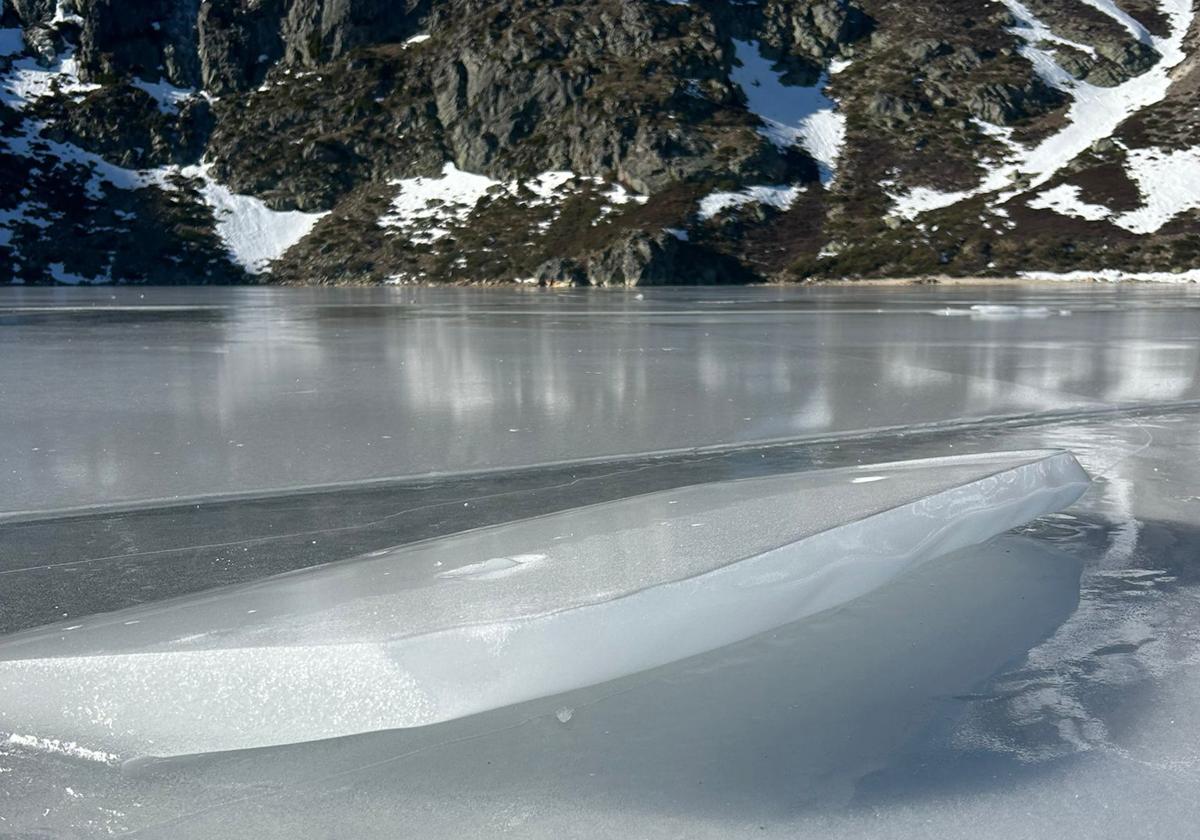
[602, 142]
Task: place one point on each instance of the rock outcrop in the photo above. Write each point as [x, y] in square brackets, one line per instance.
[603, 142]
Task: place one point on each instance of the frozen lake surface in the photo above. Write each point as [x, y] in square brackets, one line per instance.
[1043, 684]
[115, 395]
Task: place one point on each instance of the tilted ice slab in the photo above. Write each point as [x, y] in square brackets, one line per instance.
[459, 625]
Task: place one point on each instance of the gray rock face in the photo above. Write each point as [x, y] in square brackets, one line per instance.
[151, 39]
[817, 30]
[560, 271]
[42, 41]
[238, 43]
[228, 45]
[1002, 104]
[321, 30]
[642, 258]
[29, 12]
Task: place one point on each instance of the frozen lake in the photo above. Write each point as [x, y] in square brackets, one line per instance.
[1042, 684]
[119, 395]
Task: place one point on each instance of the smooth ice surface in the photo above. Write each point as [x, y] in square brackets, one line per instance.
[111, 395]
[1040, 684]
[462, 625]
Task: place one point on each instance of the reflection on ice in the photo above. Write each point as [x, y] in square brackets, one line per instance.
[462, 625]
[254, 390]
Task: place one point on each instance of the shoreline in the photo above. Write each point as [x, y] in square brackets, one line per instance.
[1033, 278]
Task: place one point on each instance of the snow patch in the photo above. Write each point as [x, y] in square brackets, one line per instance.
[548, 186]
[920, 200]
[1066, 201]
[792, 115]
[1122, 17]
[1111, 275]
[28, 81]
[61, 15]
[168, 97]
[1032, 31]
[60, 274]
[1169, 182]
[30, 144]
[780, 197]
[425, 209]
[423, 206]
[253, 233]
[618, 195]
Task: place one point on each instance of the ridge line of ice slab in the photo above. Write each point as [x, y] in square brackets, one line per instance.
[248, 697]
[166, 606]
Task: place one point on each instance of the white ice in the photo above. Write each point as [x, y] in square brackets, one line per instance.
[461, 625]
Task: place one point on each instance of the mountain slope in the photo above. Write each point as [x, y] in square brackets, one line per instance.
[604, 142]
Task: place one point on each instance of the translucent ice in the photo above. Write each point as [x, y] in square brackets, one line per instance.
[456, 626]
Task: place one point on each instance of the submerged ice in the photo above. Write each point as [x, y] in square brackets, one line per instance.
[461, 625]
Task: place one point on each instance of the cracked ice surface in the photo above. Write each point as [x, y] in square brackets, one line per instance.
[461, 625]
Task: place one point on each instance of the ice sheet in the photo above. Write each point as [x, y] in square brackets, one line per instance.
[460, 625]
[753, 734]
[253, 390]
